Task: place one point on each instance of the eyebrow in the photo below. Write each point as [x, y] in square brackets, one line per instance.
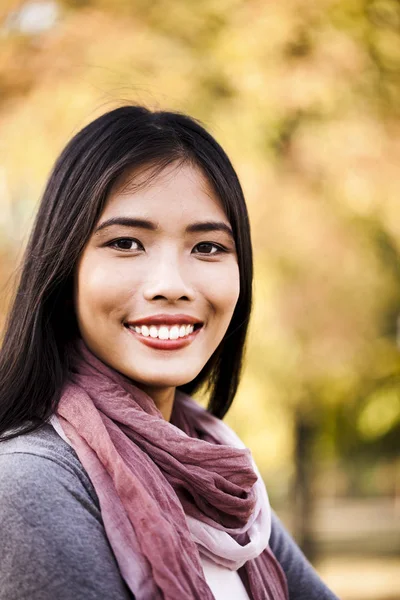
[199, 226]
[127, 222]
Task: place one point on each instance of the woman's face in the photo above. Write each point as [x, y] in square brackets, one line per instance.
[158, 281]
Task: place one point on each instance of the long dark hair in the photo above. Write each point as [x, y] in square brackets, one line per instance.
[41, 323]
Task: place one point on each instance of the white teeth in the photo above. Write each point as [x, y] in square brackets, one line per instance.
[174, 333]
[164, 332]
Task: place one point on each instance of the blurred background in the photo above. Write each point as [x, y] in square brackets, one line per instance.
[304, 95]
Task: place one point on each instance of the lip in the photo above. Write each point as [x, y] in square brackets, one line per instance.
[158, 344]
[165, 319]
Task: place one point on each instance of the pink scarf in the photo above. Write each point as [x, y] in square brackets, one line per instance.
[168, 491]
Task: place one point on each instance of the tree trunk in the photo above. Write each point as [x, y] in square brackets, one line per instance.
[303, 497]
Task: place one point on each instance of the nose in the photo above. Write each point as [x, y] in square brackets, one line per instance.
[169, 281]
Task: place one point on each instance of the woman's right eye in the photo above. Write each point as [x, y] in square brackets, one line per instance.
[125, 244]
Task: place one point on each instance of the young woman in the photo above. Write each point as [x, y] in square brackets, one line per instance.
[135, 292]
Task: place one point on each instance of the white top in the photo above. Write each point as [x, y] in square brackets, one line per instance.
[223, 582]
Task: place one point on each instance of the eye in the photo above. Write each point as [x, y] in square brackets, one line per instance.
[125, 244]
[209, 248]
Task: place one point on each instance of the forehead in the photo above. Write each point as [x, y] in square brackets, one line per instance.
[177, 192]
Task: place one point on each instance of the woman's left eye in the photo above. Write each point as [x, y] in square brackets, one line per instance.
[209, 248]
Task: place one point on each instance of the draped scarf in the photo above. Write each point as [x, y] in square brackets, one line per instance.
[169, 492]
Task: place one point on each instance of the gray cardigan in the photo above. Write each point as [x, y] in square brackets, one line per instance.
[53, 543]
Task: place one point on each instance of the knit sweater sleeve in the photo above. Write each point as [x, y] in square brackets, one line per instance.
[303, 581]
[53, 543]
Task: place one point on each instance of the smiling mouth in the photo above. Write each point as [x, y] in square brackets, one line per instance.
[165, 332]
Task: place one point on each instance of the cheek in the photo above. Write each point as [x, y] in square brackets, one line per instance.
[99, 291]
[223, 291]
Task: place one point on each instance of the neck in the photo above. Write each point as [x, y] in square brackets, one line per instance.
[163, 398]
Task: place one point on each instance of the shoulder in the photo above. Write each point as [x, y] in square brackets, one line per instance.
[44, 441]
[303, 581]
[39, 469]
[53, 539]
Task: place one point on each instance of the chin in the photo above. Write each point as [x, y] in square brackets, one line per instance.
[159, 380]
[164, 382]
